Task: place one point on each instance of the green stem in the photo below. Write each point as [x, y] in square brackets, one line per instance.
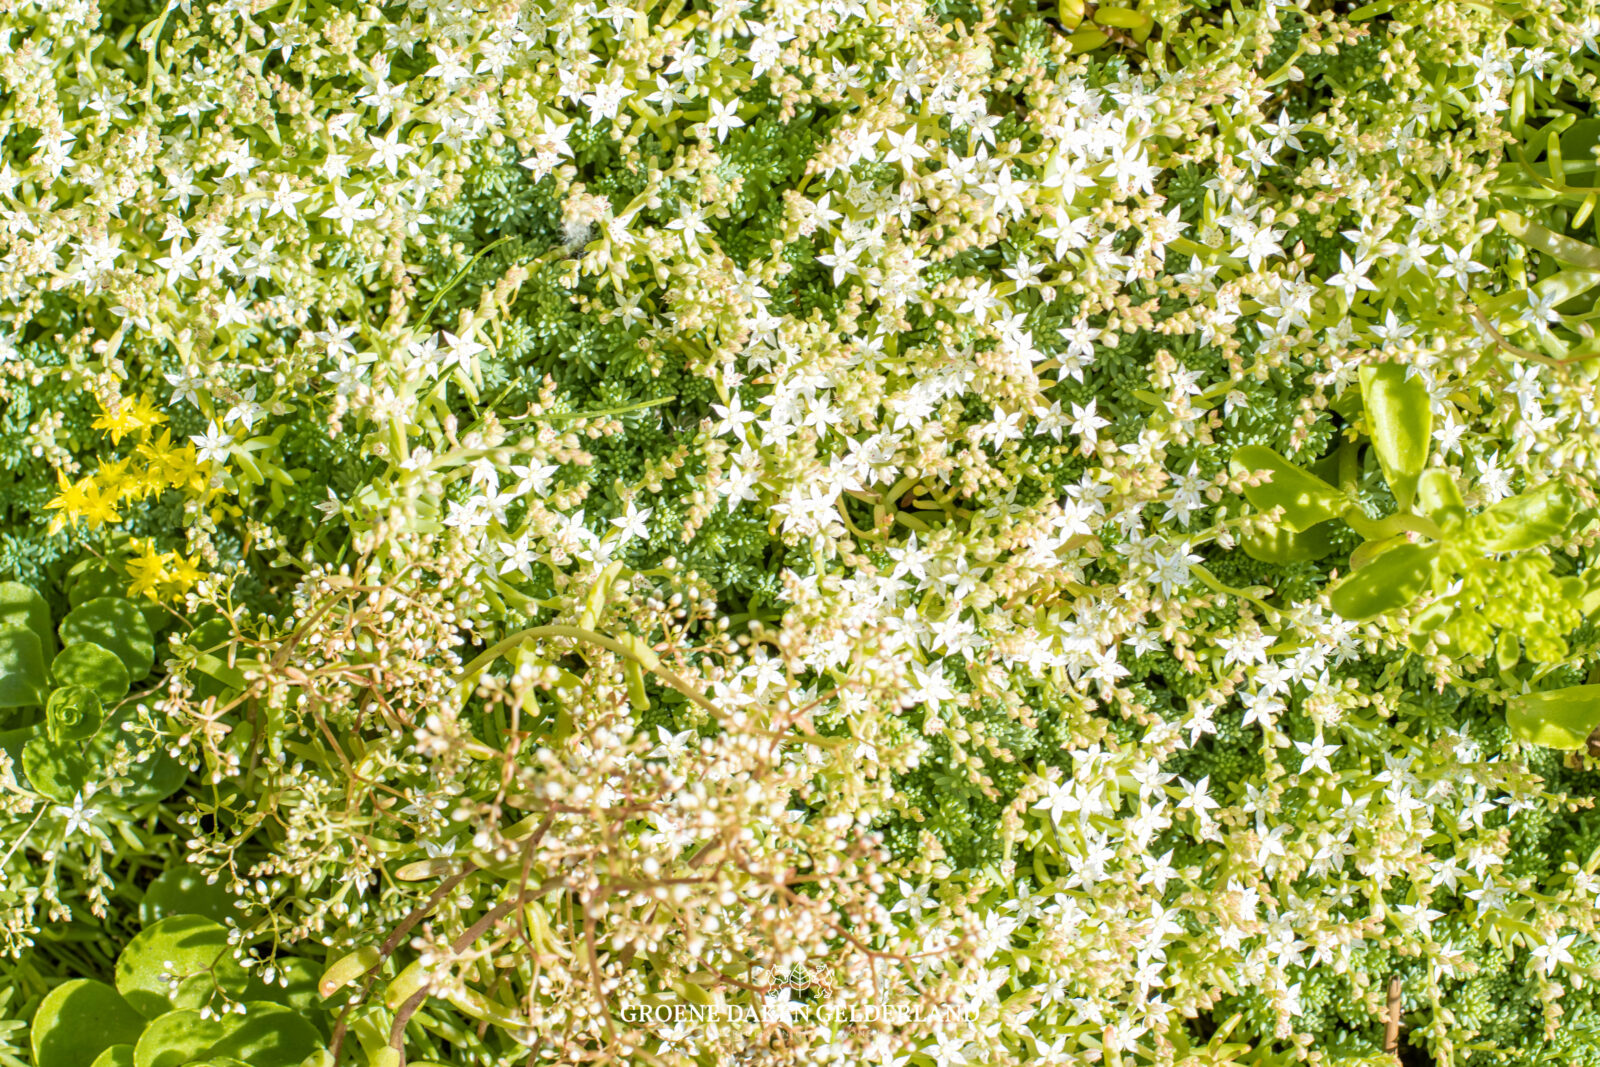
[600, 413]
[578, 633]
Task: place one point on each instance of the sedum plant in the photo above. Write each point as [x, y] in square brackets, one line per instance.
[1477, 584]
[737, 504]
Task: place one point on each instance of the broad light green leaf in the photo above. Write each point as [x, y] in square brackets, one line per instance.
[1306, 499]
[58, 769]
[191, 948]
[89, 665]
[266, 1035]
[1560, 248]
[73, 713]
[115, 1056]
[300, 995]
[114, 623]
[91, 578]
[1524, 521]
[22, 676]
[1440, 497]
[269, 1035]
[79, 1020]
[1283, 545]
[22, 606]
[183, 891]
[1559, 718]
[1401, 420]
[178, 1037]
[1388, 583]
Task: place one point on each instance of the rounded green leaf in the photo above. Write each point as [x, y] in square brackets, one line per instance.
[21, 606]
[73, 713]
[114, 623]
[177, 1038]
[79, 1020]
[193, 950]
[183, 891]
[115, 1056]
[269, 1035]
[1439, 496]
[90, 578]
[299, 994]
[1558, 718]
[156, 778]
[1388, 583]
[87, 664]
[57, 769]
[1524, 521]
[1400, 417]
[22, 678]
[266, 1035]
[1306, 499]
[1283, 545]
[13, 741]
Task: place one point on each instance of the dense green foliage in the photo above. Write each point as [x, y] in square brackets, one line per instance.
[1022, 533]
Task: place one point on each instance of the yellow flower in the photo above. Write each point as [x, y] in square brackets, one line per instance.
[159, 575]
[71, 502]
[172, 465]
[128, 415]
[146, 414]
[116, 480]
[99, 506]
[149, 572]
[184, 574]
[117, 420]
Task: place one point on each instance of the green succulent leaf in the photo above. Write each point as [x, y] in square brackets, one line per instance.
[1524, 521]
[1283, 545]
[176, 1038]
[73, 713]
[266, 1035]
[1400, 417]
[1306, 499]
[89, 665]
[115, 1056]
[1562, 249]
[20, 605]
[299, 994]
[78, 1021]
[1388, 583]
[193, 950]
[23, 682]
[90, 579]
[1440, 497]
[114, 623]
[1558, 718]
[157, 777]
[57, 769]
[184, 891]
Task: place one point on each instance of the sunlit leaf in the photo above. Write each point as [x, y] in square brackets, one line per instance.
[113, 623]
[1306, 499]
[79, 1020]
[1387, 584]
[22, 675]
[190, 949]
[20, 605]
[1524, 521]
[1400, 418]
[1558, 718]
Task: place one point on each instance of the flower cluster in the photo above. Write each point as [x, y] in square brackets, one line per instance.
[637, 500]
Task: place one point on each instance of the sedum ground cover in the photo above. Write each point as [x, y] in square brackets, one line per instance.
[934, 533]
